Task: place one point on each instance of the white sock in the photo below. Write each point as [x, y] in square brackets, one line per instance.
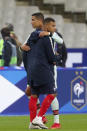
[55, 106]
[56, 118]
[38, 103]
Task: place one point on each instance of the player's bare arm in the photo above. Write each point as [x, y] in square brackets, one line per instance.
[25, 47]
[44, 33]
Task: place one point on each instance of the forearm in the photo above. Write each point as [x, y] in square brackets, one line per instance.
[24, 47]
[18, 42]
[57, 38]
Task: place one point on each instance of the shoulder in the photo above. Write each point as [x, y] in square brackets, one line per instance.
[35, 32]
[47, 38]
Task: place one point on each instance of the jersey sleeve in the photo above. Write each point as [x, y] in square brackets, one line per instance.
[33, 38]
[57, 38]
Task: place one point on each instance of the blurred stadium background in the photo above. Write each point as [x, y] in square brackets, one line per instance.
[71, 21]
[70, 16]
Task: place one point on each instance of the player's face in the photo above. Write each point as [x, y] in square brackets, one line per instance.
[35, 22]
[51, 27]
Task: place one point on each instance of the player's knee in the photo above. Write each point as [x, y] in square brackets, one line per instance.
[34, 96]
[54, 95]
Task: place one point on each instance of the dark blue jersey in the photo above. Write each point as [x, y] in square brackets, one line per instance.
[39, 58]
[31, 40]
[34, 37]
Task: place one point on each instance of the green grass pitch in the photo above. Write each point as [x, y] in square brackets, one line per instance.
[74, 122]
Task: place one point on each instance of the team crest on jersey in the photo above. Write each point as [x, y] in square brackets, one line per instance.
[78, 92]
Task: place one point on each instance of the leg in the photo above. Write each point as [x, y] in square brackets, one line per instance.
[38, 105]
[55, 105]
[28, 93]
[55, 109]
[33, 107]
[45, 104]
[44, 107]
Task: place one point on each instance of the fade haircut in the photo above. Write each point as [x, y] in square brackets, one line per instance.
[48, 20]
[39, 16]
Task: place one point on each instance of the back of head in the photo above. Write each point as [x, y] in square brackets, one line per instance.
[48, 20]
[5, 32]
[39, 16]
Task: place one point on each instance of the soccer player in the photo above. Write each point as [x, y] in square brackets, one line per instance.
[40, 57]
[45, 33]
[40, 17]
[50, 26]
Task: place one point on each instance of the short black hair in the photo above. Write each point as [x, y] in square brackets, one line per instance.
[5, 32]
[48, 20]
[39, 15]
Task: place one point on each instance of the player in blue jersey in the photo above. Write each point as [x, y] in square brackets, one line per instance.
[36, 33]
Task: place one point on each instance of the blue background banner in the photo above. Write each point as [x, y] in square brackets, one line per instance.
[65, 78]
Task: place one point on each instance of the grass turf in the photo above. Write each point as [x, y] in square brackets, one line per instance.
[72, 122]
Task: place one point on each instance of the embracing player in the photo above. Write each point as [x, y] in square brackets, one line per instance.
[50, 28]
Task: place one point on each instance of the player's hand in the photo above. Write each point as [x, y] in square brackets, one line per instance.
[43, 33]
[25, 47]
[54, 63]
[56, 53]
[28, 91]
